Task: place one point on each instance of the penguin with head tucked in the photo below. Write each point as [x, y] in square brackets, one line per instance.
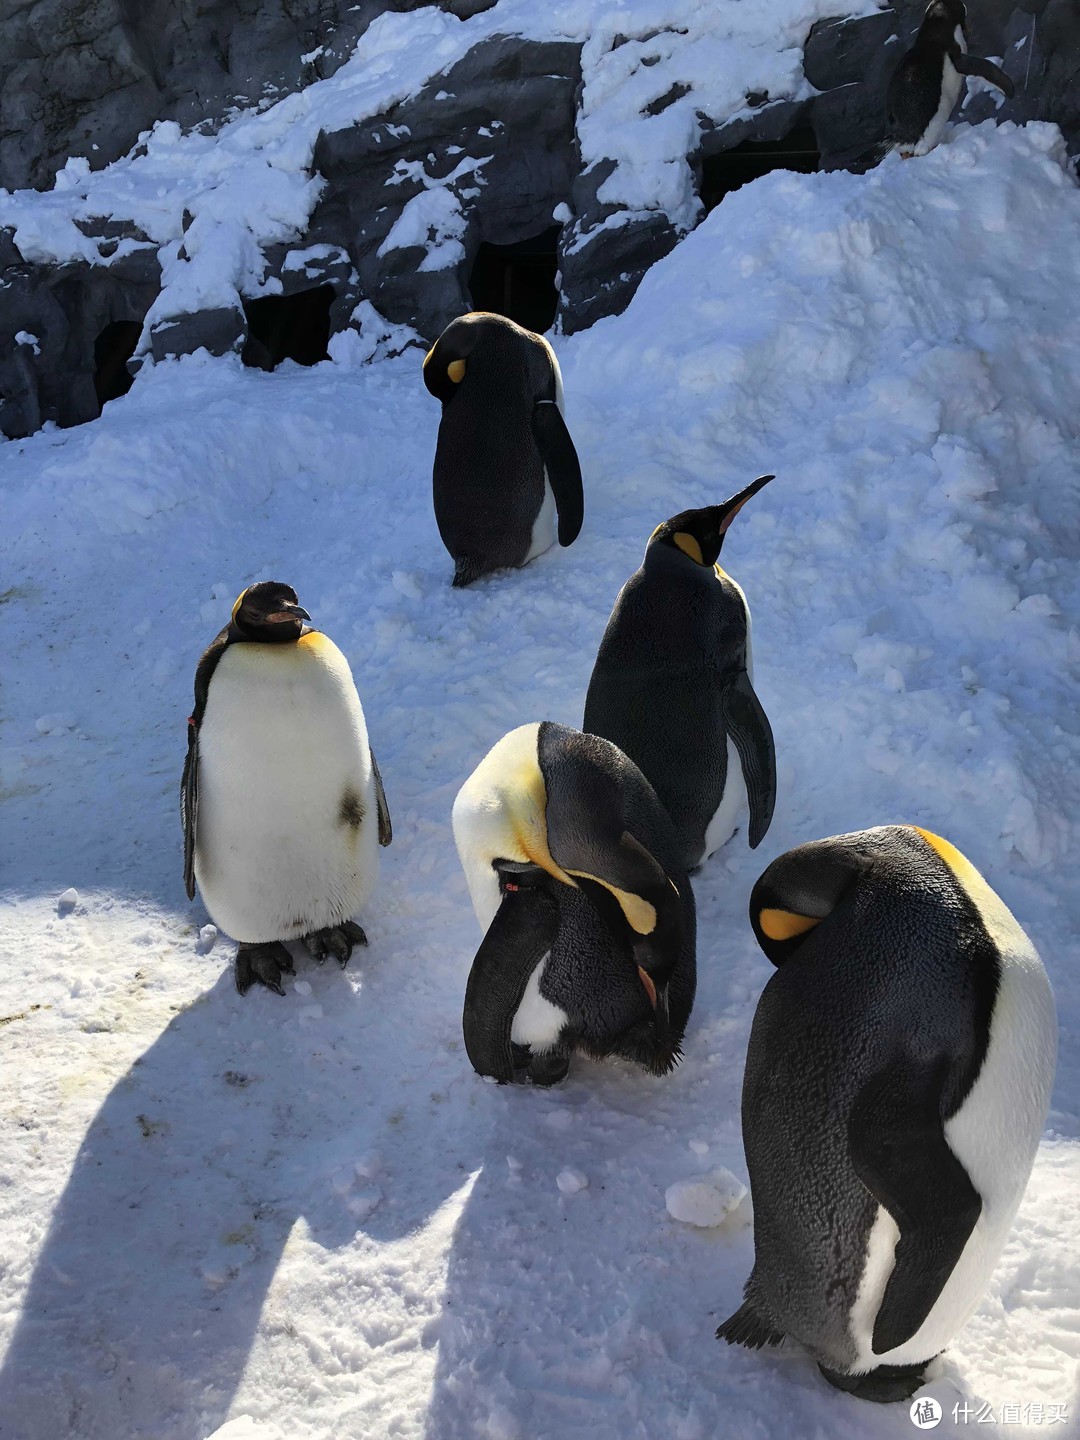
[281, 800]
[574, 874]
[673, 684]
[504, 461]
[926, 85]
[896, 1085]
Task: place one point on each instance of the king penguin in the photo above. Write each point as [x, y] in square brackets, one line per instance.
[926, 85]
[504, 461]
[281, 799]
[897, 1080]
[673, 684]
[589, 944]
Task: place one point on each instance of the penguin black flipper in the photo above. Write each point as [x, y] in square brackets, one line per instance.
[746, 1327]
[749, 727]
[189, 805]
[189, 782]
[563, 469]
[518, 938]
[386, 829]
[898, 1150]
[985, 69]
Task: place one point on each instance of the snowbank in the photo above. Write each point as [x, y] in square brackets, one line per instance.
[303, 1210]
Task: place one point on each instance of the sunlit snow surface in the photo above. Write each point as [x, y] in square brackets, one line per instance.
[309, 1211]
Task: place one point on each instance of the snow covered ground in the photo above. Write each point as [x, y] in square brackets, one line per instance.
[310, 1211]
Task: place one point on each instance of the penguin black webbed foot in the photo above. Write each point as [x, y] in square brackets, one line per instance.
[885, 1385]
[336, 940]
[265, 963]
[546, 1068]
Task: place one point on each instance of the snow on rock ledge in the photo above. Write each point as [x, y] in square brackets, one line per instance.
[404, 142]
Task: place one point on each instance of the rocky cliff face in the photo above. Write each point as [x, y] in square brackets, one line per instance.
[420, 136]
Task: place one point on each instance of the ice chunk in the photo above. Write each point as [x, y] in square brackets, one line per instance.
[706, 1200]
[571, 1181]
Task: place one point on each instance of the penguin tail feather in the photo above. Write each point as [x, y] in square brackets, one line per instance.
[466, 571]
[746, 1327]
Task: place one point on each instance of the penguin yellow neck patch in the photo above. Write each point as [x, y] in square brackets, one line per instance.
[689, 546]
[640, 915]
[238, 603]
[785, 924]
[456, 371]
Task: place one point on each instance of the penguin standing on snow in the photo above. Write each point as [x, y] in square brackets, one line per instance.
[281, 800]
[504, 462]
[927, 83]
[673, 684]
[896, 1085]
[574, 874]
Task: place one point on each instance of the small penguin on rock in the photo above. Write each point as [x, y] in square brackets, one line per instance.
[281, 799]
[926, 85]
[504, 461]
[897, 1080]
[574, 874]
[672, 686]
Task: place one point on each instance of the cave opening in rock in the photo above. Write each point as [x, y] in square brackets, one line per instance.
[113, 348]
[730, 169]
[288, 327]
[519, 280]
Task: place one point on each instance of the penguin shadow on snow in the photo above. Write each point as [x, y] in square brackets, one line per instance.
[147, 1292]
[592, 1314]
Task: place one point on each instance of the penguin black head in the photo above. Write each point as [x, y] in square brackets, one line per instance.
[699, 534]
[835, 880]
[948, 14]
[446, 362]
[269, 612]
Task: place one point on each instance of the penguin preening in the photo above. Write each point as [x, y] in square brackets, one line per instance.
[672, 686]
[281, 799]
[897, 1080]
[573, 869]
[926, 85]
[504, 461]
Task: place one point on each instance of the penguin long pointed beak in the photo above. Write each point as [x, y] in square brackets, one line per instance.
[288, 612]
[732, 507]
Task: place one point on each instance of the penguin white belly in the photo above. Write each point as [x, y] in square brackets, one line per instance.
[543, 531]
[287, 831]
[537, 1022]
[994, 1135]
[481, 819]
[951, 84]
[545, 526]
[734, 804]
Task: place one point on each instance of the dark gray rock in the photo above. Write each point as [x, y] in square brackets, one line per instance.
[221, 332]
[509, 103]
[66, 308]
[86, 76]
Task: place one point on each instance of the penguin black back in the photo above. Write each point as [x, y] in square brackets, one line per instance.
[502, 443]
[573, 868]
[927, 83]
[896, 1081]
[672, 685]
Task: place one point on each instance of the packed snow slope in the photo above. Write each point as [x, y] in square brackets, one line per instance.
[309, 1210]
[210, 203]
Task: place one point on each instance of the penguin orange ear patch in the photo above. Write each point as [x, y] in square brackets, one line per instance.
[689, 546]
[239, 602]
[456, 371]
[785, 924]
